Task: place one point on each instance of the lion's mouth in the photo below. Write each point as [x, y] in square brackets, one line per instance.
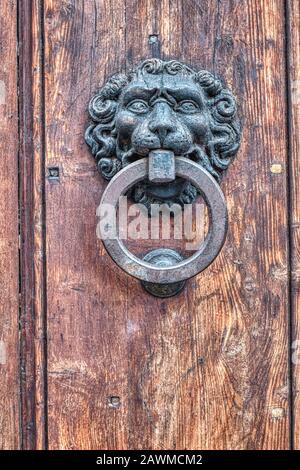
[132, 156]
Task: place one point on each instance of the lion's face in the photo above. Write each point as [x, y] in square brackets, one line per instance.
[163, 105]
[161, 113]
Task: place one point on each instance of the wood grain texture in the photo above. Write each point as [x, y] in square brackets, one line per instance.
[86, 296]
[32, 264]
[244, 295]
[293, 32]
[38, 224]
[208, 368]
[9, 257]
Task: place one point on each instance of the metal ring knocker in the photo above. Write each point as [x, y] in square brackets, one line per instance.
[163, 272]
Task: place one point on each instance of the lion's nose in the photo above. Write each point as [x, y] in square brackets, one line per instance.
[162, 121]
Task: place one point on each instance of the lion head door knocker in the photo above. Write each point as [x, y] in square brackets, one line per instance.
[164, 133]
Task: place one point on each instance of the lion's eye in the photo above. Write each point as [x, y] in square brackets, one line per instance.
[138, 107]
[187, 107]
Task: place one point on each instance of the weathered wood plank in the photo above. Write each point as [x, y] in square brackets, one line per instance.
[294, 176]
[247, 364]
[32, 227]
[208, 368]
[9, 258]
[87, 341]
[38, 223]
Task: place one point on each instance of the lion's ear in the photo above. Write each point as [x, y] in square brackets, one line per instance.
[102, 109]
[224, 107]
[113, 87]
[103, 105]
[209, 82]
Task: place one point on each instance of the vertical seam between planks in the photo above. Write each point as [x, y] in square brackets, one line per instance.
[44, 233]
[19, 226]
[289, 217]
[25, 236]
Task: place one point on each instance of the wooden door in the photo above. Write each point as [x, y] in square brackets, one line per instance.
[88, 359]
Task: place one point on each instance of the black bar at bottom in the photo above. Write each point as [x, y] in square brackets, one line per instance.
[127, 459]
